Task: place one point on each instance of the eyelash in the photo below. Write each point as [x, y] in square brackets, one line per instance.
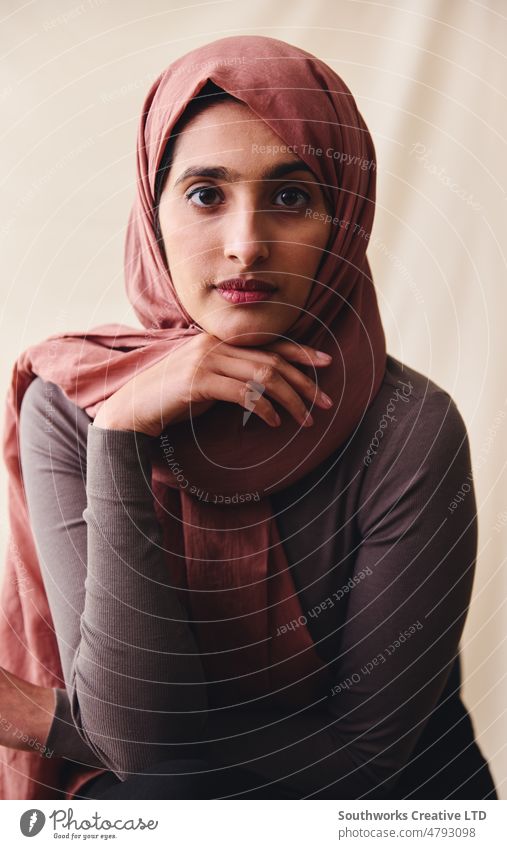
[189, 195]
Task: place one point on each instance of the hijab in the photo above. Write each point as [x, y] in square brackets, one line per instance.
[234, 577]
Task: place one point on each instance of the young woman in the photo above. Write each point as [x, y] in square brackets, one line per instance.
[242, 577]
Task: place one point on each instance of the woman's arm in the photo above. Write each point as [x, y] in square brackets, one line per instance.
[25, 713]
[403, 626]
[131, 666]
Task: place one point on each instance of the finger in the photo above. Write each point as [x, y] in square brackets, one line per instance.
[303, 384]
[236, 392]
[300, 353]
[303, 354]
[271, 380]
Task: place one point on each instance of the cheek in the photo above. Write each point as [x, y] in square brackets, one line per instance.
[321, 235]
[184, 250]
[307, 246]
[196, 245]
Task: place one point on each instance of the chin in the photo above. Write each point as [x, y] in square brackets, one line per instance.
[247, 337]
[256, 340]
[245, 331]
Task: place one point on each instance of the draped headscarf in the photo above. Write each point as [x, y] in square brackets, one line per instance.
[234, 570]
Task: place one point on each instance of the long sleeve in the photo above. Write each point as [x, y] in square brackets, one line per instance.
[131, 665]
[403, 624]
[399, 638]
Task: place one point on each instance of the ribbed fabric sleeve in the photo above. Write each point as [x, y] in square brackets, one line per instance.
[133, 673]
[137, 681]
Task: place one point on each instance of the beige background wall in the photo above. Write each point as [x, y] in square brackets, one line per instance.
[428, 78]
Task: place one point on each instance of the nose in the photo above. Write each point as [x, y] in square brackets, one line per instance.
[246, 240]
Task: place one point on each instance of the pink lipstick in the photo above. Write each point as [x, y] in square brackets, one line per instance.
[240, 290]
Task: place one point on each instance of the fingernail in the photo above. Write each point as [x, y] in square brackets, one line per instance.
[323, 356]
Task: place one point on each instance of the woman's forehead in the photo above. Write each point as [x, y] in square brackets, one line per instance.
[232, 137]
[213, 120]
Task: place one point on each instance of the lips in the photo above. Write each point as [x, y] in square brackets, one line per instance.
[241, 284]
[241, 290]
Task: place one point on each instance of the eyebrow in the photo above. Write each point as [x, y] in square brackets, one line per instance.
[281, 169]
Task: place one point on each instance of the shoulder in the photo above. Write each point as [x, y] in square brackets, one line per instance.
[48, 417]
[40, 395]
[41, 400]
[36, 396]
[414, 448]
[417, 472]
[411, 415]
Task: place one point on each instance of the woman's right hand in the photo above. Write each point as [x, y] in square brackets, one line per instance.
[204, 370]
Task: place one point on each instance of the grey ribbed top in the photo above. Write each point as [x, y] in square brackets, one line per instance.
[376, 541]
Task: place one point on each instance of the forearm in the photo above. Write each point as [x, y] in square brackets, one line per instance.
[26, 713]
[138, 689]
[304, 751]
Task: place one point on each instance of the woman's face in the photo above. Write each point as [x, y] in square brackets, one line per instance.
[236, 204]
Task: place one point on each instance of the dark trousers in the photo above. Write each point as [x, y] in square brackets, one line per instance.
[446, 763]
[189, 778]
[467, 777]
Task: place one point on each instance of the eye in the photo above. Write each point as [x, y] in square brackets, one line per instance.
[207, 196]
[290, 194]
[203, 193]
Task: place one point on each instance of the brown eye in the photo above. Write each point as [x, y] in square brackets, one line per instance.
[205, 195]
[290, 197]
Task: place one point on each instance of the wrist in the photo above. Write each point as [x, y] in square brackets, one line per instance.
[108, 419]
[27, 712]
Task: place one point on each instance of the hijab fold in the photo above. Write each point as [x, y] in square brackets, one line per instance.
[234, 578]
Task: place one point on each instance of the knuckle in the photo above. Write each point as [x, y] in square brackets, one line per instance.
[266, 373]
[311, 386]
[244, 395]
[276, 360]
[204, 341]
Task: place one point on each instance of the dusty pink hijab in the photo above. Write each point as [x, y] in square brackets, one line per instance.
[232, 547]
